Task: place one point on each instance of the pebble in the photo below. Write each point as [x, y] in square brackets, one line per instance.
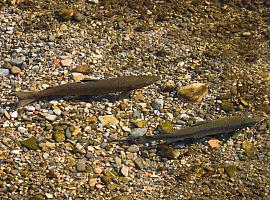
[22, 130]
[4, 72]
[98, 170]
[15, 70]
[50, 117]
[48, 195]
[108, 120]
[30, 143]
[77, 77]
[165, 127]
[14, 114]
[30, 108]
[92, 182]
[133, 148]
[193, 92]
[59, 136]
[137, 132]
[17, 61]
[94, 1]
[184, 117]
[139, 163]
[124, 171]
[158, 104]
[45, 156]
[68, 133]
[227, 106]
[136, 114]
[81, 166]
[66, 62]
[78, 17]
[57, 111]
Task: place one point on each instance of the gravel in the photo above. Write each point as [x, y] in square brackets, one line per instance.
[63, 148]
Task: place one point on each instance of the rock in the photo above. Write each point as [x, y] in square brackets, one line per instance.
[84, 69]
[15, 70]
[78, 17]
[249, 148]
[48, 195]
[227, 106]
[68, 133]
[265, 75]
[108, 120]
[230, 170]
[66, 62]
[51, 174]
[17, 61]
[165, 127]
[169, 86]
[4, 72]
[59, 136]
[140, 123]
[139, 163]
[170, 152]
[136, 114]
[158, 104]
[50, 117]
[184, 117]
[92, 182]
[14, 114]
[137, 132]
[214, 143]
[22, 130]
[77, 77]
[133, 148]
[193, 92]
[98, 170]
[93, 1]
[124, 171]
[121, 197]
[30, 108]
[30, 143]
[81, 166]
[66, 13]
[57, 111]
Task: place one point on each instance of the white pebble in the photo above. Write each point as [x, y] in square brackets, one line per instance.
[14, 114]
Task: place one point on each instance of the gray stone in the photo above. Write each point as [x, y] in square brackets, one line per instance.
[18, 61]
[4, 72]
[136, 114]
[158, 104]
[81, 166]
[137, 132]
[133, 148]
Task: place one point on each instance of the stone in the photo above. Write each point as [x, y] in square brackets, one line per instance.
[158, 104]
[78, 17]
[48, 195]
[57, 111]
[30, 108]
[140, 123]
[137, 132]
[81, 166]
[18, 61]
[124, 171]
[165, 127]
[4, 72]
[227, 106]
[66, 13]
[59, 136]
[93, 1]
[193, 92]
[184, 117]
[92, 182]
[170, 152]
[133, 148]
[15, 70]
[108, 120]
[30, 143]
[121, 197]
[77, 77]
[14, 114]
[50, 117]
[66, 62]
[265, 75]
[139, 163]
[84, 69]
[22, 130]
[230, 170]
[98, 170]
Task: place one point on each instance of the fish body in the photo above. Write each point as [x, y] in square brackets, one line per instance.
[213, 127]
[89, 88]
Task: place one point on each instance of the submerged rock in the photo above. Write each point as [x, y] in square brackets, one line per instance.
[30, 143]
[193, 92]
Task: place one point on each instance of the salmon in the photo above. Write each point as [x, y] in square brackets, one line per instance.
[210, 128]
[88, 88]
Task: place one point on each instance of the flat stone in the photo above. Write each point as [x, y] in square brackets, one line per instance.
[30, 143]
[78, 17]
[137, 132]
[193, 92]
[124, 171]
[158, 104]
[108, 120]
[59, 136]
[77, 77]
[22, 130]
[50, 117]
[92, 182]
[81, 166]
[133, 148]
[57, 111]
[98, 170]
[4, 72]
[15, 70]
[14, 114]
[66, 62]
[165, 127]
[17, 61]
[139, 163]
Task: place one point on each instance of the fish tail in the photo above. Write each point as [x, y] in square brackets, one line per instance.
[24, 98]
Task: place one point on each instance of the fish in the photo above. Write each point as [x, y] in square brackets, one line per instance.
[209, 128]
[96, 87]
